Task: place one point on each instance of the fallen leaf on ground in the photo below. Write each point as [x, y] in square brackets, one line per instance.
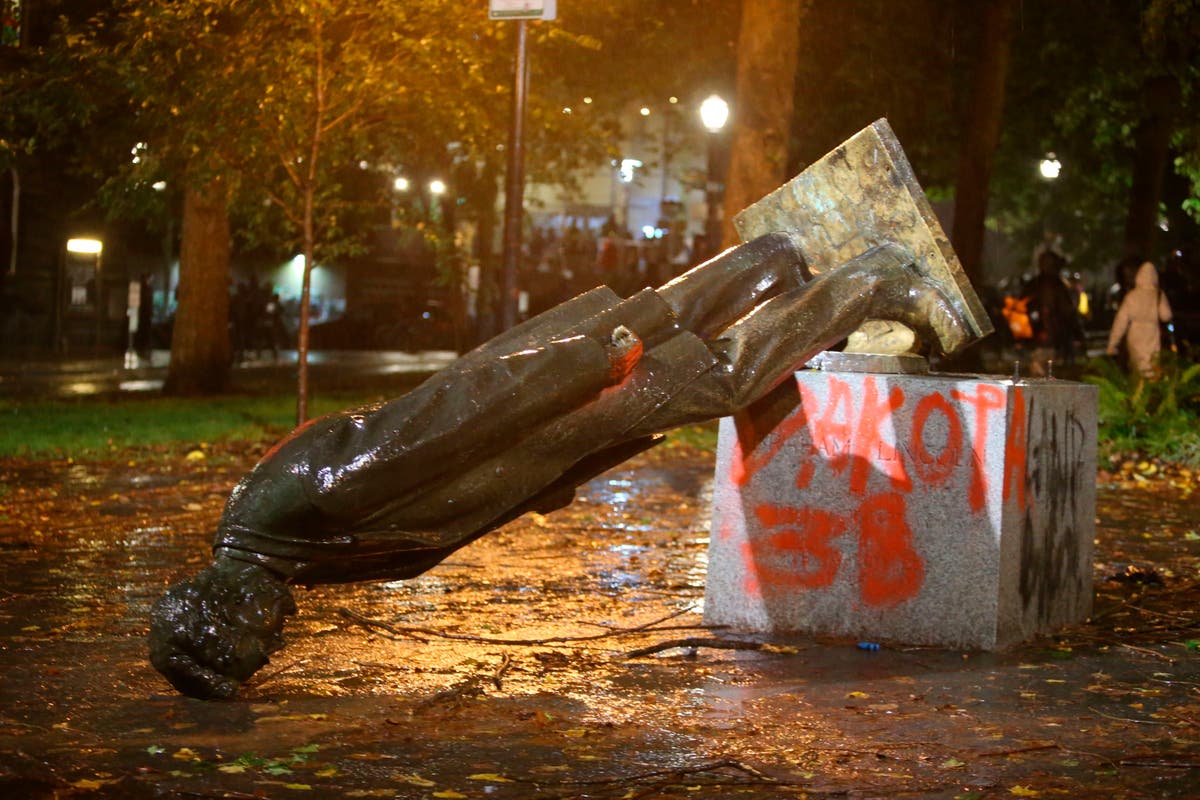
[489, 776]
[415, 780]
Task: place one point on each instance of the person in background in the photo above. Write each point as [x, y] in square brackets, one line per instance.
[1137, 325]
[1052, 309]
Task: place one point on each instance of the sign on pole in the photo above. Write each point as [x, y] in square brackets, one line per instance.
[514, 179]
[522, 9]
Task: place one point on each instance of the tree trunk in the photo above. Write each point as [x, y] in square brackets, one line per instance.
[200, 353]
[305, 301]
[768, 50]
[1152, 142]
[483, 206]
[981, 133]
[9, 229]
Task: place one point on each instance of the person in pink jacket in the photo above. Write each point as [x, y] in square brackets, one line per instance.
[1143, 309]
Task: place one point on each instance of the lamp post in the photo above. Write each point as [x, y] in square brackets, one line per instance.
[1050, 167]
[437, 188]
[514, 176]
[514, 184]
[92, 247]
[714, 113]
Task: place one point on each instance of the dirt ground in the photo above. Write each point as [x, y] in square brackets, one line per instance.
[512, 670]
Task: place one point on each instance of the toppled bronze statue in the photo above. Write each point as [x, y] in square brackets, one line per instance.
[388, 491]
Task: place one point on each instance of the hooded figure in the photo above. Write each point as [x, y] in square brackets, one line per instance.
[1139, 316]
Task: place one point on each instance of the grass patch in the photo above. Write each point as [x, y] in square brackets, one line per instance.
[700, 437]
[94, 426]
[89, 426]
[1156, 419]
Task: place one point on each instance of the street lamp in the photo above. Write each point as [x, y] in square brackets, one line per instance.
[714, 113]
[87, 247]
[400, 184]
[437, 188]
[1050, 167]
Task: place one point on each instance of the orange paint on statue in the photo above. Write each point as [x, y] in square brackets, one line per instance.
[867, 445]
[745, 467]
[750, 582]
[797, 552]
[985, 401]
[1014, 452]
[890, 571]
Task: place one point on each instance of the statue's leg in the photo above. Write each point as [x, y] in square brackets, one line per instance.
[712, 296]
[766, 345]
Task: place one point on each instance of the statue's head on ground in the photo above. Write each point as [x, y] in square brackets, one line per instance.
[210, 633]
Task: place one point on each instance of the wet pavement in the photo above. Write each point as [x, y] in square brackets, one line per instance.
[61, 376]
[506, 672]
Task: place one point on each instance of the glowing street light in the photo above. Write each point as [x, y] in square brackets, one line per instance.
[91, 247]
[78, 292]
[714, 113]
[627, 169]
[437, 187]
[1050, 167]
[400, 184]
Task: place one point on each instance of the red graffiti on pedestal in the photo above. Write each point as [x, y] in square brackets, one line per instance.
[796, 546]
[799, 546]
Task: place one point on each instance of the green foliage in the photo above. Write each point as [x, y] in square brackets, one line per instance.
[1078, 87]
[698, 437]
[75, 428]
[95, 426]
[283, 98]
[865, 60]
[1152, 418]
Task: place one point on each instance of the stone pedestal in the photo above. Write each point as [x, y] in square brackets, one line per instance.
[921, 509]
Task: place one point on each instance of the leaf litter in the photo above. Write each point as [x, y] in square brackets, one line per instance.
[564, 656]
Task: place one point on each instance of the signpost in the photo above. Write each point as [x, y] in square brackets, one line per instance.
[514, 179]
[522, 9]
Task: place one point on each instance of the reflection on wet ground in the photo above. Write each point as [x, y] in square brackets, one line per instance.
[504, 672]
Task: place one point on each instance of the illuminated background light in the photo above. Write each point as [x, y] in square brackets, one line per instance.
[1050, 167]
[714, 113]
[85, 246]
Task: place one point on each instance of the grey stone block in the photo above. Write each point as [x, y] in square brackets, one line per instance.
[922, 509]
